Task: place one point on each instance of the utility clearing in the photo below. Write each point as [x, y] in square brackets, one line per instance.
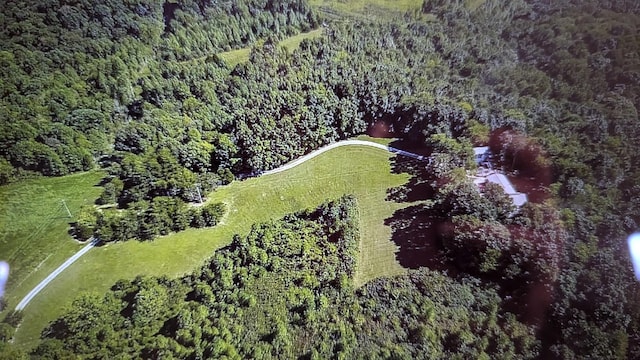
[34, 225]
[235, 57]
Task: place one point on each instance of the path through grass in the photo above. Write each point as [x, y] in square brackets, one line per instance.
[34, 226]
[362, 171]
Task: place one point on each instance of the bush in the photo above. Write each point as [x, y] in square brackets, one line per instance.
[212, 213]
[6, 172]
[6, 332]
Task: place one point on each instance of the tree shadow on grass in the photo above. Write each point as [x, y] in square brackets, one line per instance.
[419, 228]
[417, 187]
[415, 231]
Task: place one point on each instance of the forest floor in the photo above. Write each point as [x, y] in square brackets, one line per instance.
[359, 170]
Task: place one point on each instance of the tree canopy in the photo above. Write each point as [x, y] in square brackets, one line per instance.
[139, 88]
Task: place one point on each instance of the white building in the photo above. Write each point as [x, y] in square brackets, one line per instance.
[481, 153]
[518, 198]
[487, 174]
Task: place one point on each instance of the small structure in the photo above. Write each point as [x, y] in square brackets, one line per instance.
[518, 198]
[485, 175]
[481, 154]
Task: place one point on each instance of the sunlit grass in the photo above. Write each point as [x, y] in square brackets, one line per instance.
[34, 226]
[235, 57]
[358, 170]
[362, 6]
[293, 42]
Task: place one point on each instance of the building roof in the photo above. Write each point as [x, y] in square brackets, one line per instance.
[480, 150]
[503, 181]
[519, 199]
[483, 177]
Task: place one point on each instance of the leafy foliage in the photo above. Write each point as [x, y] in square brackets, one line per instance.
[145, 221]
[286, 291]
[137, 86]
[75, 74]
[7, 329]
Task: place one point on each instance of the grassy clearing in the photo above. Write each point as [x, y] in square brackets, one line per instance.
[34, 225]
[293, 42]
[235, 57]
[473, 5]
[362, 171]
[364, 6]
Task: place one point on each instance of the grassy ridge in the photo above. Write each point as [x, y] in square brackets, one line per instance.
[362, 171]
[235, 57]
[363, 6]
[34, 225]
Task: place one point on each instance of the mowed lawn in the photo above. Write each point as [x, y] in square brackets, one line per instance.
[359, 170]
[235, 57]
[34, 226]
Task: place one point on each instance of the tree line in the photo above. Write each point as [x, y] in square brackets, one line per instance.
[164, 113]
[286, 290]
[145, 220]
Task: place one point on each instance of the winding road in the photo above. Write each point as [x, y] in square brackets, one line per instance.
[25, 301]
[315, 153]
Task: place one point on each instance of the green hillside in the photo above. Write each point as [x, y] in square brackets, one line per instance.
[174, 99]
[34, 236]
[361, 171]
[284, 291]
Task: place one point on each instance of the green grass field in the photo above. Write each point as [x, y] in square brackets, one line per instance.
[382, 8]
[362, 171]
[34, 225]
[235, 57]
[364, 6]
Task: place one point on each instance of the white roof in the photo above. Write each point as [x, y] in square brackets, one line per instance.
[502, 180]
[479, 180]
[519, 199]
[486, 175]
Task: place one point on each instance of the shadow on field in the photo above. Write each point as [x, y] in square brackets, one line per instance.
[415, 231]
[415, 228]
[417, 188]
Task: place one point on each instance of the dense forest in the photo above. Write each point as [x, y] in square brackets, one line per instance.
[285, 291]
[137, 87]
